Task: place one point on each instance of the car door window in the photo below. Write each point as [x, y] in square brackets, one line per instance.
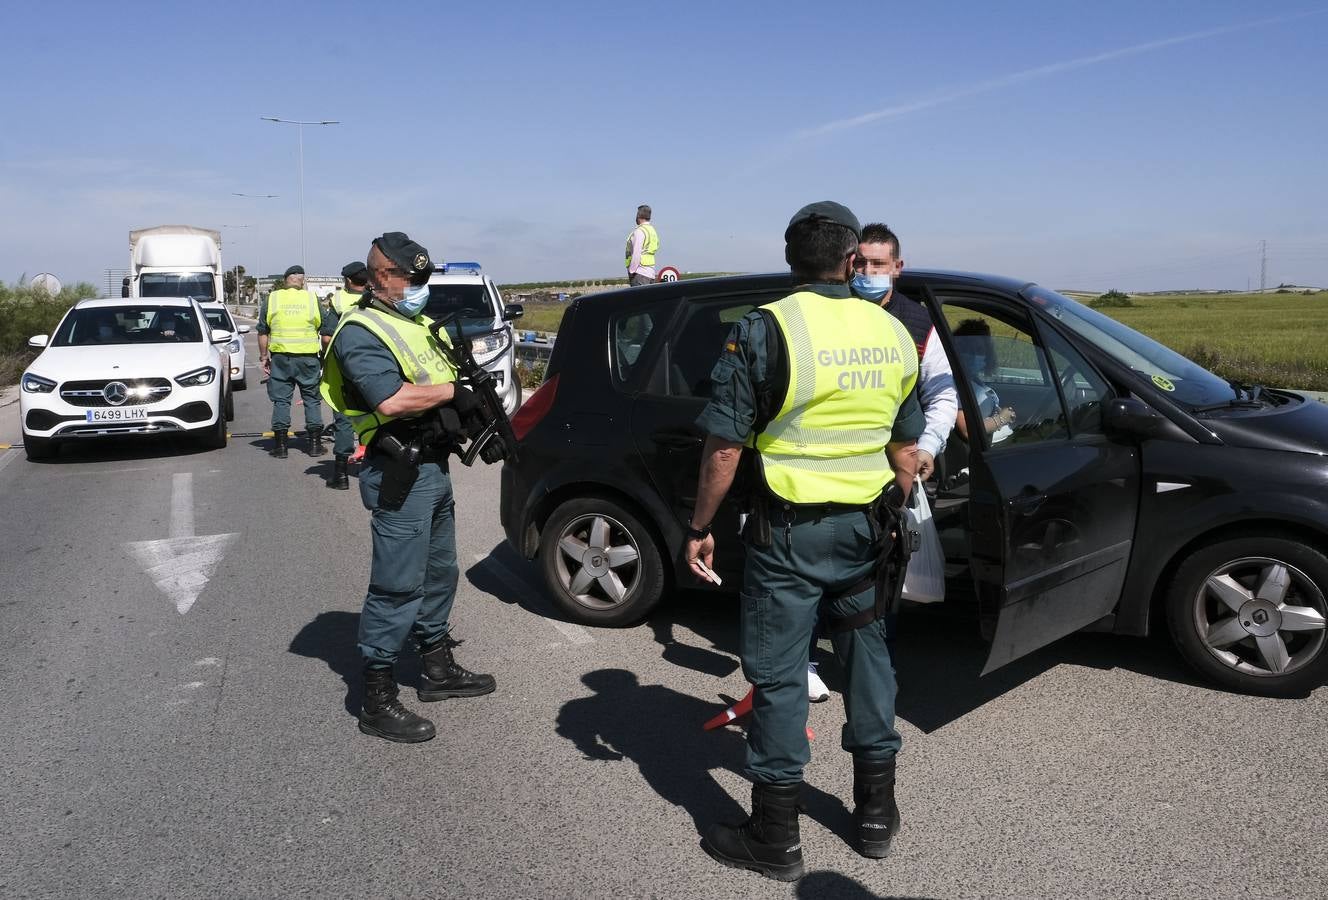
[630, 336]
[1007, 373]
[695, 345]
[1084, 390]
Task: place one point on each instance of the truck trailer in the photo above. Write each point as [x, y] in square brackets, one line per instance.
[175, 261]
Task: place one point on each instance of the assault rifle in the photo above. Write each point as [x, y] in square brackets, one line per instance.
[482, 415]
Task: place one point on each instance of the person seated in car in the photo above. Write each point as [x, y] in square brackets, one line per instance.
[977, 357]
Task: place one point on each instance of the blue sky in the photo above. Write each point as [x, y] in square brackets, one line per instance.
[1139, 145]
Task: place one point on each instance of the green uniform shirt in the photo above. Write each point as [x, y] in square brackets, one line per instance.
[731, 410]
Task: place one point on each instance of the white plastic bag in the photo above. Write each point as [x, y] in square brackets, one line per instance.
[924, 580]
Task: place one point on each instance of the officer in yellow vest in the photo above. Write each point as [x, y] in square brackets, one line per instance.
[354, 280]
[288, 346]
[387, 373]
[642, 245]
[819, 387]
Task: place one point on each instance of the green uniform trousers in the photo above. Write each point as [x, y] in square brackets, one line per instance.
[288, 371]
[343, 435]
[821, 553]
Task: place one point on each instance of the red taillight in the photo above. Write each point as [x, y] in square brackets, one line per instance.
[534, 409]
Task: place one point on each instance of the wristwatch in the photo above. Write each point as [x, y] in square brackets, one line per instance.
[697, 534]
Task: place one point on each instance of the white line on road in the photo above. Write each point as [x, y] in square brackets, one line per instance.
[573, 632]
[8, 457]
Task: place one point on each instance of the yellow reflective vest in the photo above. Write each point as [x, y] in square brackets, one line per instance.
[343, 301]
[292, 320]
[851, 365]
[648, 248]
[420, 356]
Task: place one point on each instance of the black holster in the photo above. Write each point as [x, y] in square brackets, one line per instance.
[400, 464]
[895, 543]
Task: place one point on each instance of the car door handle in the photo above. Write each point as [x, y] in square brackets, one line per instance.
[678, 440]
[1027, 504]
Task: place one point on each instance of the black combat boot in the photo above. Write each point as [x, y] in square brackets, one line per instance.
[316, 440]
[278, 443]
[441, 677]
[874, 807]
[382, 714]
[768, 842]
[339, 481]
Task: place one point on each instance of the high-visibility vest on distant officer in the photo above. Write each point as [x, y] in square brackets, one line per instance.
[293, 318]
[826, 444]
[343, 301]
[648, 249]
[412, 344]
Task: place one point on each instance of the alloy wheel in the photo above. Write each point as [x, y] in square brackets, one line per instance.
[1261, 616]
[598, 561]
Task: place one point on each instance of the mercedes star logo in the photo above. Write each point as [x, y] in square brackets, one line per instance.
[115, 393]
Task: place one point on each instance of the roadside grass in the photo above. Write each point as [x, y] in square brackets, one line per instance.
[25, 311]
[1276, 340]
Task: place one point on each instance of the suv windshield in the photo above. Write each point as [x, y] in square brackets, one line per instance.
[471, 300]
[128, 325]
[198, 285]
[1158, 366]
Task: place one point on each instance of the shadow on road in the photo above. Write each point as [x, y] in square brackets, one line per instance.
[123, 449]
[659, 730]
[513, 580]
[834, 886]
[331, 637]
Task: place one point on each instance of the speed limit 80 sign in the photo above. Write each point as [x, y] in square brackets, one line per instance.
[668, 274]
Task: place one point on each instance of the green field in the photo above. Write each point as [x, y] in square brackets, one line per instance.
[1271, 339]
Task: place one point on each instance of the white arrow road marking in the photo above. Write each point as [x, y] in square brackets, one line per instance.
[570, 630]
[181, 564]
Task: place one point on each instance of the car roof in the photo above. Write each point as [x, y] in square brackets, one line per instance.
[113, 302]
[784, 281]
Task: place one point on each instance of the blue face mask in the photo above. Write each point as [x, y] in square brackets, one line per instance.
[412, 304]
[871, 287]
[974, 363]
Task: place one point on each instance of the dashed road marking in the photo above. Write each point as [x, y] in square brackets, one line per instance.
[573, 632]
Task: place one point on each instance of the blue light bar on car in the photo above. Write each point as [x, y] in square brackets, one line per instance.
[470, 266]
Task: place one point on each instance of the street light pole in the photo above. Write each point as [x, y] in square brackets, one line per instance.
[300, 125]
[258, 262]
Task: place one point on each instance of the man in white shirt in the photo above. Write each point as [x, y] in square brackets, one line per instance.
[642, 244]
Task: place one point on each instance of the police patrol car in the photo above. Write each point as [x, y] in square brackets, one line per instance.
[462, 289]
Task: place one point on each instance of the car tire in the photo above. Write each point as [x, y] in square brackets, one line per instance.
[215, 436]
[230, 405]
[600, 562]
[240, 384]
[39, 448]
[1248, 613]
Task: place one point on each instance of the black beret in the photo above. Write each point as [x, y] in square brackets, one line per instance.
[294, 270]
[407, 255]
[826, 211]
[352, 269]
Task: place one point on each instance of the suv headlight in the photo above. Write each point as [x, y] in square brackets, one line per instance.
[233, 347]
[197, 377]
[489, 347]
[35, 384]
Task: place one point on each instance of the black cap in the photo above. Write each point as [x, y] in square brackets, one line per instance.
[406, 255]
[353, 269]
[294, 270]
[826, 211]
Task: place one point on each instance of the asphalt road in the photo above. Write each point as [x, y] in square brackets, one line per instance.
[150, 752]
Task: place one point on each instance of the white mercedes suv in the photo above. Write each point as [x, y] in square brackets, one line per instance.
[463, 291]
[134, 366]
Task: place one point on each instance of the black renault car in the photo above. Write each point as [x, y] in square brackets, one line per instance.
[1133, 488]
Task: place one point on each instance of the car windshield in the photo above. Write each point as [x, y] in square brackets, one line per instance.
[470, 300]
[218, 318]
[1152, 363]
[199, 285]
[128, 325]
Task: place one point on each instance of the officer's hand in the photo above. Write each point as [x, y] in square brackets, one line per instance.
[926, 465]
[267, 365]
[703, 550]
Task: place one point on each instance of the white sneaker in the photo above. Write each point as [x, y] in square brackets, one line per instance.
[816, 689]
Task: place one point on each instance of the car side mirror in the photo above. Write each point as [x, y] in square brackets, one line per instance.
[220, 336]
[513, 311]
[244, 329]
[37, 341]
[1131, 416]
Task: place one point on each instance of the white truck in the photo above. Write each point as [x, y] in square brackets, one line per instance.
[175, 261]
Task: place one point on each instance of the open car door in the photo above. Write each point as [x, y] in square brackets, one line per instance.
[1048, 503]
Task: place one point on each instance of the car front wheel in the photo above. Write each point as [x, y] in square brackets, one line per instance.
[214, 438]
[600, 562]
[1250, 614]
